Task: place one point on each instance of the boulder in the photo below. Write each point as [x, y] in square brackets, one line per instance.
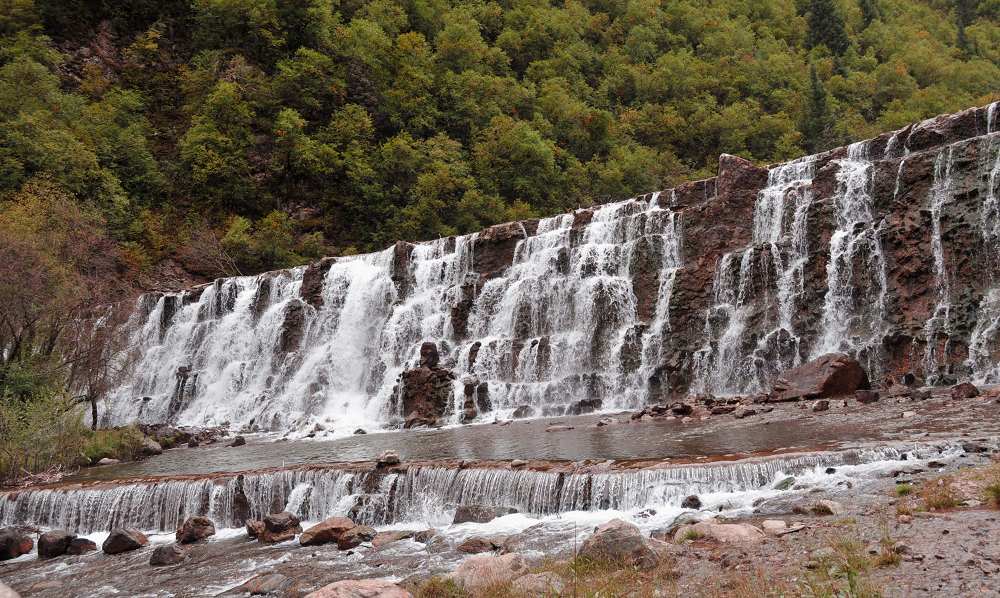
[356, 536]
[743, 411]
[150, 447]
[14, 543]
[827, 507]
[6, 592]
[538, 584]
[726, 533]
[108, 461]
[54, 543]
[266, 584]
[584, 406]
[124, 540]
[78, 546]
[866, 397]
[194, 529]
[691, 502]
[827, 376]
[425, 394]
[387, 459]
[385, 538]
[681, 409]
[622, 543]
[481, 571]
[361, 588]
[965, 390]
[774, 527]
[429, 356]
[523, 411]
[326, 531]
[477, 544]
[821, 405]
[279, 527]
[255, 528]
[238, 441]
[480, 513]
[167, 554]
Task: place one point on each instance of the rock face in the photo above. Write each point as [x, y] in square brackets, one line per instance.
[124, 540]
[54, 543]
[840, 253]
[194, 529]
[14, 543]
[831, 375]
[361, 588]
[620, 542]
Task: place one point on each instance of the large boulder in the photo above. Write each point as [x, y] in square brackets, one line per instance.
[361, 588]
[425, 394]
[622, 543]
[124, 540]
[480, 513]
[150, 447]
[830, 375]
[14, 543]
[356, 536]
[265, 584]
[327, 531]
[167, 554]
[964, 390]
[54, 543]
[279, 527]
[80, 546]
[6, 592]
[194, 529]
[482, 571]
[726, 533]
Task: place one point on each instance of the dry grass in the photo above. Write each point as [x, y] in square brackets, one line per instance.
[936, 495]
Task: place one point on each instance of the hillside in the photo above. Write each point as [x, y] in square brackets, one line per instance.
[213, 137]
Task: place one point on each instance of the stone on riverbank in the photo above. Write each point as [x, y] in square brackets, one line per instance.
[356, 536]
[278, 527]
[482, 571]
[620, 542]
[327, 531]
[194, 529]
[14, 543]
[480, 513]
[54, 543]
[167, 554]
[965, 390]
[827, 376]
[361, 588]
[79, 546]
[124, 540]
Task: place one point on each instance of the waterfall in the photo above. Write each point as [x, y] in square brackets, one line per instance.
[939, 324]
[562, 322]
[420, 493]
[984, 342]
[854, 306]
[729, 362]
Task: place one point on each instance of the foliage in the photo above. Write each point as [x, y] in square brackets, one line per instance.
[39, 434]
[123, 444]
[183, 121]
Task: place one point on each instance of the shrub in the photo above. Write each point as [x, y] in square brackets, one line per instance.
[39, 434]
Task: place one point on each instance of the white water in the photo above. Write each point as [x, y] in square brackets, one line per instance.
[855, 302]
[984, 343]
[776, 256]
[938, 326]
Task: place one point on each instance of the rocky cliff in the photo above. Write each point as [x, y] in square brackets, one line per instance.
[888, 250]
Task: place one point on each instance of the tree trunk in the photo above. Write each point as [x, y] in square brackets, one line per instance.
[93, 414]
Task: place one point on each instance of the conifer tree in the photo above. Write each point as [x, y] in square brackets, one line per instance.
[826, 27]
[965, 13]
[818, 121]
[870, 11]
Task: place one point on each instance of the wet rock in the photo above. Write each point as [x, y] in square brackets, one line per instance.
[150, 447]
[425, 394]
[538, 584]
[518, 464]
[477, 544]
[238, 441]
[429, 356]
[523, 411]
[425, 536]
[361, 588]
[255, 528]
[726, 409]
[691, 502]
[482, 571]
[279, 527]
[620, 542]
[726, 533]
[827, 507]
[54, 543]
[359, 431]
[480, 513]
[681, 409]
[559, 428]
[866, 397]
[822, 405]
[6, 592]
[356, 536]
[965, 390]
[385, 538]
[828, 376]
[14, 543]
[194, 529]
[584, 406]
[741, 412]
[124, 540]
[785, 484]
[167, 554]
[108, 461]
[265, 584]
[327, 531]
[78, 546]
[387, 459]
[975, 447]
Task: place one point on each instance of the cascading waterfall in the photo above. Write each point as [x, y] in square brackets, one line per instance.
[554, 327]
[938, 326]
[855, 302]
[421, 493]
[729, 362]
[984, 343]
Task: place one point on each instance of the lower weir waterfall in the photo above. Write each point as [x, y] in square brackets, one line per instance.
[715, 286]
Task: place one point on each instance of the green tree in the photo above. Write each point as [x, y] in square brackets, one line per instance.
[818, 121]
[870, 11]
[826, 27]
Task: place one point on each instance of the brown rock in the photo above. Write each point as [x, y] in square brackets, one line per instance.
[620, 542]
[14, 543]
[356, 536]
[7, 592]
[265, 585]
[426, 394]
[255, 528]
[78, 546]
[279, 527]
[385, 538]
[327, 531]
[480, 513]
[477, 544]
[482, 571]
[167, 554]
[965, 390]
[821, 405]
[54, 543]
[124, 540]
[830, 375]
[361, 588]
[866, 396]
[194, 529]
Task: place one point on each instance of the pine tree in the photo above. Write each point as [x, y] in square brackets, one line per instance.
[965, 13]
[826, 27]
[870, 11]
[818, 121]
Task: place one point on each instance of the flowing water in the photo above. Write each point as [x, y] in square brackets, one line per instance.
[937, 329]
[984, 344]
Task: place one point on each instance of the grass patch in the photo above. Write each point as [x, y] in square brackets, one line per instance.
[690, 535]
[939, 494]
[439, 587]
[123, 444]
[841, 574]
[904, 489]
[992, 494]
